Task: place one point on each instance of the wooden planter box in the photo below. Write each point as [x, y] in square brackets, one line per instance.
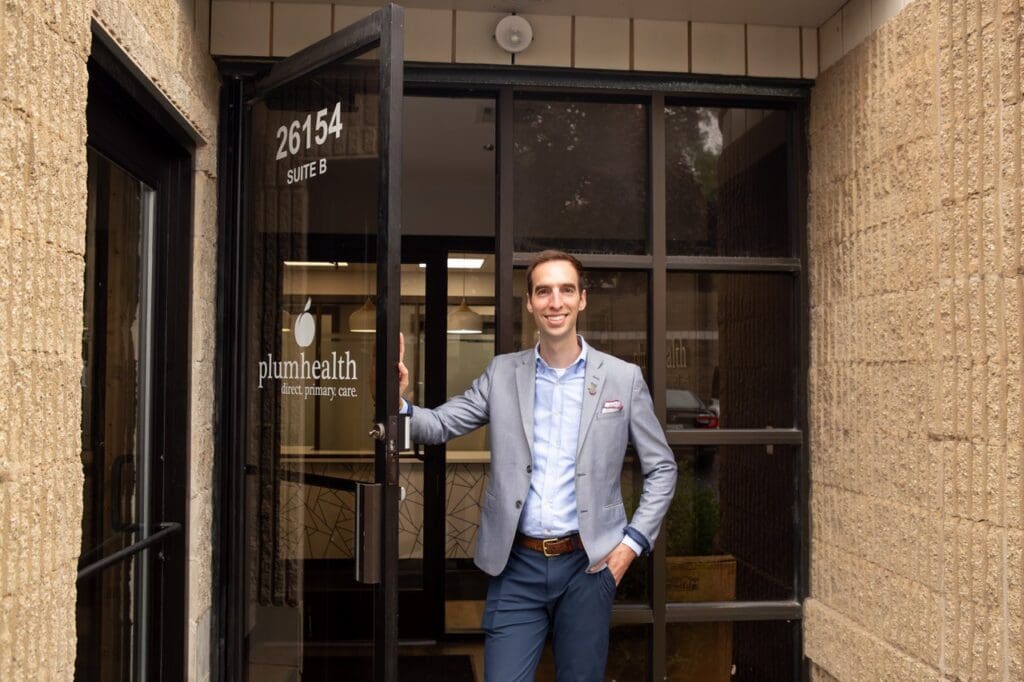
[700, 651]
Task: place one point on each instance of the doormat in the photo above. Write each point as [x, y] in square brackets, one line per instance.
[432, 668]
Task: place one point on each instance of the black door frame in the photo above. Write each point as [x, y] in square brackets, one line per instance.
[142, 133]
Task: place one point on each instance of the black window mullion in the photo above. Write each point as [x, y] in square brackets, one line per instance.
[732, 611]
[658, 316]
[689, 437]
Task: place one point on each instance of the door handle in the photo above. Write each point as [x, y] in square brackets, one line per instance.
[377, 432]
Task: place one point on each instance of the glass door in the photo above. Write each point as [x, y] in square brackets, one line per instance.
[321, 434]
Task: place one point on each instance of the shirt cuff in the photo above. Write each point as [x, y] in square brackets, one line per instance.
[636, 541]
[631, 543]
[406, 407]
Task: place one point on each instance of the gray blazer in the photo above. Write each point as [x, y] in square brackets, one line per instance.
[503, 396]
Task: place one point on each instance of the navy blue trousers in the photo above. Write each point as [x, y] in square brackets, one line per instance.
[536, 593]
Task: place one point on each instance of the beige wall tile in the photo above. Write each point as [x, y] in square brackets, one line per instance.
[660, 45]
[602, 43]
[810, 56]
[240, 27]
[856, 23]
[552, 42]
[428, 35]
[773, 51]
[884, 10]
[830, 41]
[350, 14]
[474, 38]
[298, 25]
[718, 48]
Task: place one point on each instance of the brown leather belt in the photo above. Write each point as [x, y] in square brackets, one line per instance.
[551, 546]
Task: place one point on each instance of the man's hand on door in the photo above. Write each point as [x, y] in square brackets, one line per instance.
[403, 372]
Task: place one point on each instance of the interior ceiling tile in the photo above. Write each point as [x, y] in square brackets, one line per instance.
[768, 12]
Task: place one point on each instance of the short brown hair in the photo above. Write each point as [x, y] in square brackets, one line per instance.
[548, 256]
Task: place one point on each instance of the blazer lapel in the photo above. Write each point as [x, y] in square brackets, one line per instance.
[593, 386]
[526, 379]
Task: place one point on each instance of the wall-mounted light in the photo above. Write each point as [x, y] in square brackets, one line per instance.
[513, 34]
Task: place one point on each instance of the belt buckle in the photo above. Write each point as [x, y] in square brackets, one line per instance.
[544, 546]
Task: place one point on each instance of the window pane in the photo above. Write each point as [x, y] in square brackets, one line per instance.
[580, 176]
[726, 176]
[730, 353]
[448, 166]
[731, 651]
[729, 534]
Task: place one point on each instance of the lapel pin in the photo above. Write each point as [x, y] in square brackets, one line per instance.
[592, 388]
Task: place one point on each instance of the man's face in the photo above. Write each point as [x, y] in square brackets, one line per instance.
[556, 299]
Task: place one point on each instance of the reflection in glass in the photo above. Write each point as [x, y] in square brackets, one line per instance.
[111, 374]
[729, 533]
[729, 358]
[726, 179]
[747, 651]
[580, 176]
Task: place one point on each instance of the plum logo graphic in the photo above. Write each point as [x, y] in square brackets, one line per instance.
[305, 327]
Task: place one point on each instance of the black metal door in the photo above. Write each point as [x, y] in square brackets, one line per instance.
[321, 159]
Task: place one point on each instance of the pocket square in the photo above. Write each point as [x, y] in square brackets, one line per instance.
[611, 406]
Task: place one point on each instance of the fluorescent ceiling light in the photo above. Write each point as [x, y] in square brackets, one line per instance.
[462, 263]
[314, 264]
[465, 263]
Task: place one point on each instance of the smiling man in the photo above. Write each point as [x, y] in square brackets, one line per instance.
[553, 530]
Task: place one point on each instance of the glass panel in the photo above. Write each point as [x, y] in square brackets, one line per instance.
[730, 353]
[448, 166]
[470, 279]
[580, 176]
[726, 182]
[729, 534]
[311, 312]
[111, 353]
[723, 652]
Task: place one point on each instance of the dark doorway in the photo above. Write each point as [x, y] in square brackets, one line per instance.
[135, 387]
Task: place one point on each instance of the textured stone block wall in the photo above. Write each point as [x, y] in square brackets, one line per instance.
[44, 47]
[917, 558]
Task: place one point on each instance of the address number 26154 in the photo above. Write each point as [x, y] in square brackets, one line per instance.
[301, 134]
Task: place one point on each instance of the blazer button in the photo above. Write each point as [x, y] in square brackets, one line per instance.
[529, 468]
[519, 504]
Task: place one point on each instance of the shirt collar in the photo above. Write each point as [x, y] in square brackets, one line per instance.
[580, 361]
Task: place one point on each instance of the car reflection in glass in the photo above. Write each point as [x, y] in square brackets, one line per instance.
[685, 410]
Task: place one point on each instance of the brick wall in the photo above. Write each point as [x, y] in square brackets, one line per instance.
[43, 91]
[915, 380]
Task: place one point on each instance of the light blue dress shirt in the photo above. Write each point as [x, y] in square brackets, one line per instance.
[550, 507]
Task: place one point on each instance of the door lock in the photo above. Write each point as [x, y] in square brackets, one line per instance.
[377, 432]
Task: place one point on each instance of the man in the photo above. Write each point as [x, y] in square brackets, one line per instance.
[553, 531]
